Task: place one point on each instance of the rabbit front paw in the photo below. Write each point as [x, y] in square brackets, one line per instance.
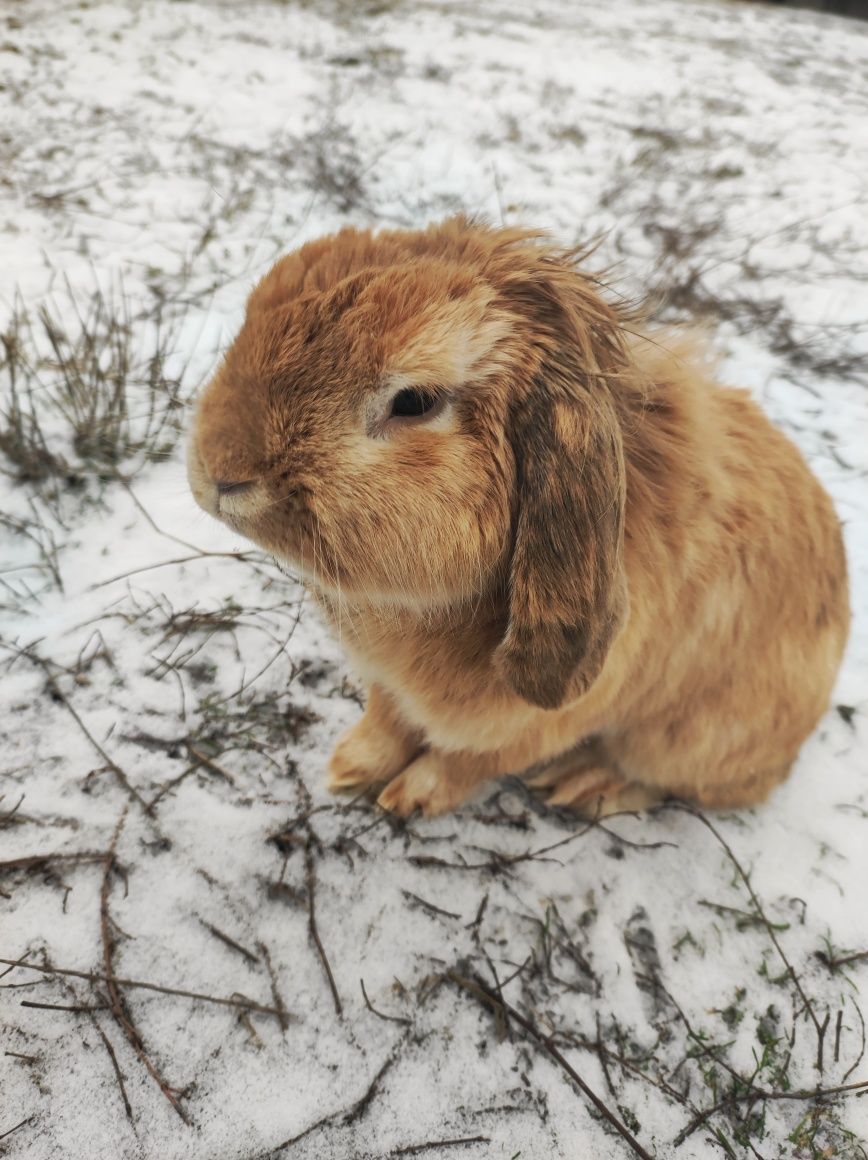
[427, 784]
[367, 754]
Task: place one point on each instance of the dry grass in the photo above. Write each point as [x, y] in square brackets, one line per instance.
[86, 390]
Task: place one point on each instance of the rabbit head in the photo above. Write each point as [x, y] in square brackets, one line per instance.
[427, 420]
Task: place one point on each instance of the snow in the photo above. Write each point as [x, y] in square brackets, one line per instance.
[173, 150]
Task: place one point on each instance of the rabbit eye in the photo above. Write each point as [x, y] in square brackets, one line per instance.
[412, 402]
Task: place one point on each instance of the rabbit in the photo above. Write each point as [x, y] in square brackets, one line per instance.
[549, 542]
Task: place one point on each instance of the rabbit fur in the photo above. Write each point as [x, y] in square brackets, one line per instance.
[586, 557]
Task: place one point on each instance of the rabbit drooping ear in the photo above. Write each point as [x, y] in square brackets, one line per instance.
[567, 588]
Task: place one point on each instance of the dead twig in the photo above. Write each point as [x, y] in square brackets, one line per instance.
[117, 1003]
[310, 879]
[743, 918]
[41, 861]
[230, 942]
[9, 1131]
[106, 1043]
[9, 816]
[82, 1008]
[824, 1027]
[379, 1014]
[95, 977]
[835, 964]
[168, 786]
[499, 861]
[415, 1149]
[244, 556]
[429, 905]
[209, 763]
[283, 1015]
[760, 1094]
[819, 1027]
[481, 991]
[858, 1058]
[606, 1053]
[480, 914]
[349, 1115]
[117, 1069]
[61, 697]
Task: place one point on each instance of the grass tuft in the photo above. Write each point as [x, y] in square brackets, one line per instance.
[86, 390]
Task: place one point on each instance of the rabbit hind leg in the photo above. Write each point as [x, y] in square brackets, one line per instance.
[700, 768]
[741, 786]
[601, 793]
[588, 783]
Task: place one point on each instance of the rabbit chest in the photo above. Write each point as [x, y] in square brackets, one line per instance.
[440, 675]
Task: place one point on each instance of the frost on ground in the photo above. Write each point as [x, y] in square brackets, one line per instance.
[213, 957]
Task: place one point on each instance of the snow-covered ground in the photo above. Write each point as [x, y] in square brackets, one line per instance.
[169, 699]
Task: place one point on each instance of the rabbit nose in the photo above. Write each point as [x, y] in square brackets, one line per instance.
[225, 487]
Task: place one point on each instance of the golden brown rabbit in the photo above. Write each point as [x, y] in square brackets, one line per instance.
[529, 528]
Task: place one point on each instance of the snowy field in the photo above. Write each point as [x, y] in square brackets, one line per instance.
[322, 981]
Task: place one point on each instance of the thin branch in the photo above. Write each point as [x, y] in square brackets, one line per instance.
[481, 991]
[40, 861]
[349, 1115]
[9, 1131]
[117, 1070]
[230, 942]
[125, 484]
[605, 1053]
[95, 977]
[310, 879]
[429, 905]
[283, 1015]
[858, 1059]
[415, 1149]
[82, 1008]
[770, 926]
[501, 861]
[244, 556]
[117, 1003]
[70, 990]
[209, 763]
[761, 1094]
[169, 785]
[822, 1039]
[379, 1014]
[57, 693]
[835, 964]
[6, 818]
